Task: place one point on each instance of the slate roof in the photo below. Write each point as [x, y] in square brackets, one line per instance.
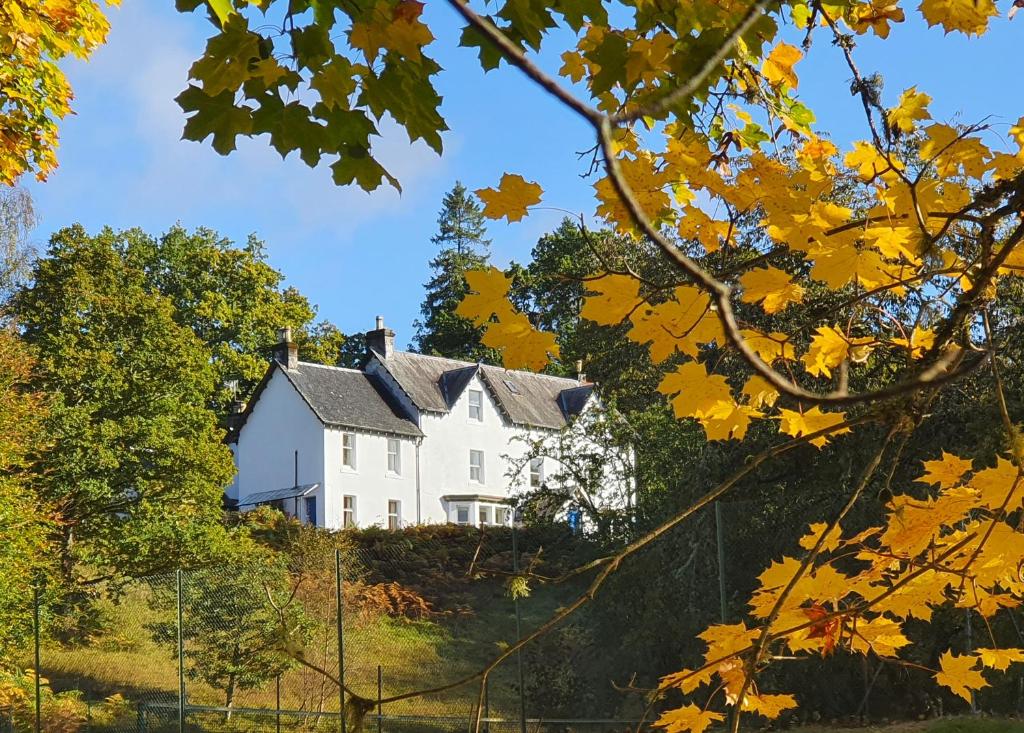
[351, 399]
[535, 400]
[292, 492]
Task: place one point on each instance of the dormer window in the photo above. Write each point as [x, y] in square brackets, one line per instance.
[476, 405]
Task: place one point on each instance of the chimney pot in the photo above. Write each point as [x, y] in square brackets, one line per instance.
[381, 340]
[286, 352]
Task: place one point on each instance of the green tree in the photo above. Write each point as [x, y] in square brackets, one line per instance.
[234, 619]
[137, 466]
[25, 520]
[463, 246]
[231, 298]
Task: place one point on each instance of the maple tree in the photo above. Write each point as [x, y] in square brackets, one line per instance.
[35, 35]
[892, 247]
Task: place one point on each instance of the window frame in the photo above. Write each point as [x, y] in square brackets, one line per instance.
[485, 515]
[394, 468]
[349, 437]
[476, 470]
[459, 508]
[394, 517]
[478, 394]
[348, 511]
[536, 472]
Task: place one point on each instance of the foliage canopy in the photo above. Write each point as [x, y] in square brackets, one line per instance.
[795, 287]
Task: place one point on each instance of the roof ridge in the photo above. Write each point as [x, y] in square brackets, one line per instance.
[328, 366]
[536, 374]
[486, 366]
[437, 358]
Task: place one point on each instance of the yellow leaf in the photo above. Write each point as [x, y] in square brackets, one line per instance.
[696, 393]
[912, 106]
[687, 680]
[829, 348]
[995, 484]
[489, 296]
[881, 635]
[769, 346]
[387, 27]
[967, 16]
[689, 719]
[921, 339]
[1017, 131]
[811, 421]
[681, 324]
[778, 67]
[950, 151]
[946, 471]
[617, 296]
[511, 199]
[695, 224]
[866, 160]
[1000, 659]
[726, 639]
[844, 264]
[648, 184]
[730, 424]
[573, 66]
[960, 674]
[771, 287]
[770, 706]
[877, 15]
[522, 346]
[760, 392]
[811, 538]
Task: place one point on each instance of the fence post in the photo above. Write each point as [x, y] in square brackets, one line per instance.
[519, 652]
[340, 603]
[970, 648]
[277, 702]
[721, 562]
[181, 655]
[487, 704]
[38, 657]
[380, 696]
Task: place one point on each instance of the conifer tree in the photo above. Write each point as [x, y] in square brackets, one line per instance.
[464, 246]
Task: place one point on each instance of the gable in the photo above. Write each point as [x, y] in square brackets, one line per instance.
[339, 398]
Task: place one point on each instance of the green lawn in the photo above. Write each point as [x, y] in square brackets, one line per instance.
[412, 655]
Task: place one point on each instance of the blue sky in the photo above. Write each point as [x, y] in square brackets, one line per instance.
[357, 255]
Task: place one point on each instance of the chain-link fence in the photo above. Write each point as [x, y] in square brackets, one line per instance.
[256, 646]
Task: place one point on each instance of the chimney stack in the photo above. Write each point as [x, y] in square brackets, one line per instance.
[381, 339]
[580, 376]
[286, 352]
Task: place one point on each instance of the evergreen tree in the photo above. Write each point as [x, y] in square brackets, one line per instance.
[463, 246]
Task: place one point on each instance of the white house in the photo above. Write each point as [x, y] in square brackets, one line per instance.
[406, 439]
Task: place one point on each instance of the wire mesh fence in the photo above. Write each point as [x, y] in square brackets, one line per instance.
[405, 627]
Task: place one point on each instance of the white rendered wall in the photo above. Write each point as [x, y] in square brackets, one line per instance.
[445, 464]
[280, 423]
[369, 482]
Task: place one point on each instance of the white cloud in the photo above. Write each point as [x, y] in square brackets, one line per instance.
[142, 69]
